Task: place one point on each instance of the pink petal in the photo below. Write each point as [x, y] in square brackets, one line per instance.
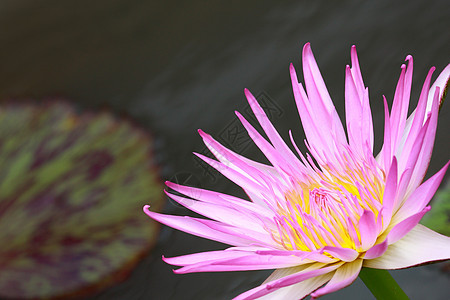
[402, 187]
[425, 153]
[420, 245]
[343, 277]
[275, 158]
[356, 72]
[311, 131]
[390, 192]
[306, 273]
[229, 158]
[295, 291]
[357, 108]
[222, 199]
[233, 175]
[367, 229]
[190, 259]
[225, 215]
[271, 132]
[442, 82]
[242, 262]
[251, 171]
[400, 104]
[298, 290]
[324, 111]
[386, 153]
[421, 196]
[309, 255]
[353, 113]
[419, 117]
[248, 168]
[409, 159]
[405, 226]
[344, 254]
[377, 250]
[367, 123]
[208, 229]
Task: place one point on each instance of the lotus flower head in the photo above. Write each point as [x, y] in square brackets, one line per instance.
[318, 218]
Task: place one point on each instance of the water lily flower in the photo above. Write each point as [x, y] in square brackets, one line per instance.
[318, 218]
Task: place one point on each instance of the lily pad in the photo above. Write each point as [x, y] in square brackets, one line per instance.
[72, 187]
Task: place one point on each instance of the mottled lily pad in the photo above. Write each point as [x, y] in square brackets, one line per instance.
[439, 216]
[72, 187]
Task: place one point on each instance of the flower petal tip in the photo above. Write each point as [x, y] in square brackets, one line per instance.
[307, 46]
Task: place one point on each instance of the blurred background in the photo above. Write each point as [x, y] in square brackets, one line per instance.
[173, 67]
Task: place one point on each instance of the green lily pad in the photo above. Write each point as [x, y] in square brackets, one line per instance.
[438, 218]
[72, 187]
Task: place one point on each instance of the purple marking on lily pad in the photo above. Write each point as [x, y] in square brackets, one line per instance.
[72, 187]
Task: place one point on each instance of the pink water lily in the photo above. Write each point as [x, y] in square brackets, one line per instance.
[319, 219]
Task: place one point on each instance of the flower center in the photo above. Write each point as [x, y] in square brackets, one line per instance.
[327, 213]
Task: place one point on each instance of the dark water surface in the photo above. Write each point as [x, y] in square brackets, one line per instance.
[179, 66]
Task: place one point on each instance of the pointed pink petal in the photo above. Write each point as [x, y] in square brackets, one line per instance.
[242, 262]
[225, 215]
[254, 172]
[421, 196]
[367, 122]
[251, 169]
[324, 111]
[400, 104]
[275, 158]
[442, 82]
[267, 288]
[367, 229]
[233, 175]
[309, 255]
[377, 250]
[229, 158]
[385, 155]
[353, 113]
[190, 259]
[356, 72]
[344, 254]
[315, 135]
[424, 157]
[343, 277]
[222, 199]
[271, 132]
[298, 290]
[403, 184]
[208, 229]
[357, 108]
[390, 192]
[409, 159]
[405, 226]
[420, 245]
[305, 113]
[295, 291]
[419, 117]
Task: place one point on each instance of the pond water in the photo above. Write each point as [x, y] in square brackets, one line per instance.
[179, 66]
